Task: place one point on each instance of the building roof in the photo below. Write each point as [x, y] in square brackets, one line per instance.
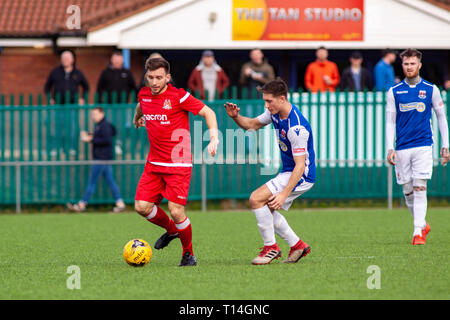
[47, 18]
[444, 4]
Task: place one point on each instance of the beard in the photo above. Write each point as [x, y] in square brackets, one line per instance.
[156, 91]
[413, 74]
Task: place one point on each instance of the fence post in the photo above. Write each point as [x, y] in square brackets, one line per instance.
[389, 186]
[204, 208]
[18, 188]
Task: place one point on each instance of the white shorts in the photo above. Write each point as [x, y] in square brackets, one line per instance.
[277, 184]
[414, 163]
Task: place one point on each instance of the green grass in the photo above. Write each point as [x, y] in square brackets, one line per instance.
[38, 248]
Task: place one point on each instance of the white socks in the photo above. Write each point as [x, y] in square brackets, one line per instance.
[264, 220]
[416, 201]
[269, 223]
[420, 211]
[409, 200]
[283, 229]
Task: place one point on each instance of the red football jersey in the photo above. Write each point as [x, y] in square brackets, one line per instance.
[167, 121]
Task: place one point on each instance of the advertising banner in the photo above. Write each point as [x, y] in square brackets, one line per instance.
[304, 20]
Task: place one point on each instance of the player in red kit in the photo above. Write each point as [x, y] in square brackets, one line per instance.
[164, 111]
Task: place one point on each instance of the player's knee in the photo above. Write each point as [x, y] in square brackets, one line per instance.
[177, 212]
[254, 200]
[408, 188]
[420, 184]
[143, 207]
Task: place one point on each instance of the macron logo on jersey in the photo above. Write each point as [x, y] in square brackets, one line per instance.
[158, 117]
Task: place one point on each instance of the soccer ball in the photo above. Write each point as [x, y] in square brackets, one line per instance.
[137, 252]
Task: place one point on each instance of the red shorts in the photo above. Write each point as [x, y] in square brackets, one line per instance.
[154, 186]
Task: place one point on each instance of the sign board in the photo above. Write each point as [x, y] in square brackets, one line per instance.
[294, 20]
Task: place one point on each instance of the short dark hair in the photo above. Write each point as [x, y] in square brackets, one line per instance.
[275, 87]
[411, 53]
[153, 64]
[385, 52]
[356, 55]
[116, 53]
[322, 48]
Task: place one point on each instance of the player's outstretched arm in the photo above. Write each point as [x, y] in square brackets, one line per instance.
[211, 122]
[138, 119]
[243, 122]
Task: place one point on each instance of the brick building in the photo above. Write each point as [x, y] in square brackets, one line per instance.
[34, 32]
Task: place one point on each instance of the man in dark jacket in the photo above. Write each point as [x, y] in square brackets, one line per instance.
[115, 78]
[65, 78]
[102, 141]
[256, 72]
[355, 77]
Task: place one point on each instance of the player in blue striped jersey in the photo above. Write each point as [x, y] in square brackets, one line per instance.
[408, 117]
[296, 177]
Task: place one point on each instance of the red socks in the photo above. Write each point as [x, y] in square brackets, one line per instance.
[160, 218]
[185, 232]
[184, 229]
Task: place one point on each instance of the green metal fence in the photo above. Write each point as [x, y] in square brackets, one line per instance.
[43, 161]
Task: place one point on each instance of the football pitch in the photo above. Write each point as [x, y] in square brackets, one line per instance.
[347, 246]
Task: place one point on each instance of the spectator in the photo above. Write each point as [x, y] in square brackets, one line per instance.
[257, 71]
[208, 76]
[66, 78]
[447, 84]
[321, 74]
[116, 78]
[384, 71]
[102, 142]
[355, 77]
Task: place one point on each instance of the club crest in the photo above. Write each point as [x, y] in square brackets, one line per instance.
[422, 94]
[167, 104]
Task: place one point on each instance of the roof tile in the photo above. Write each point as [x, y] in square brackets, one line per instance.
[25, 18]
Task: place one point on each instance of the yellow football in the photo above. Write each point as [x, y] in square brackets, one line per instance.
[137, 252]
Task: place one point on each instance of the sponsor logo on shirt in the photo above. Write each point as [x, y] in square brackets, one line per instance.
[400, 92]
[146, 100]
[299, 150]
[157, 117]
[422, 94]
[406, 107]
[283, 146]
